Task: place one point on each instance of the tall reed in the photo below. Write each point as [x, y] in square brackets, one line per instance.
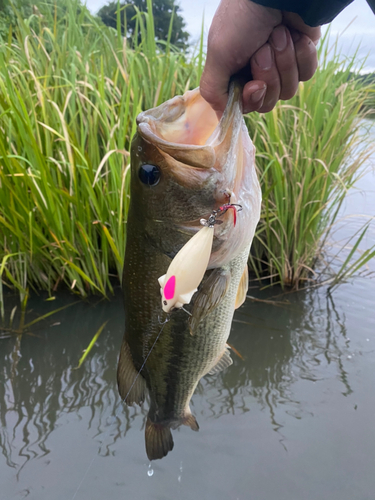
[70, 90]
[309, 153]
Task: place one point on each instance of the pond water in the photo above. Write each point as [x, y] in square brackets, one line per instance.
[293, 420]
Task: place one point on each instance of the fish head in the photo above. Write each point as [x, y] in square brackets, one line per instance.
[186, 164]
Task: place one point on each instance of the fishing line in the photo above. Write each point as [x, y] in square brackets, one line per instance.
[162, 323]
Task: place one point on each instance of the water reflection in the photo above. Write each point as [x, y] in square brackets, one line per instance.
[281, 344]
[40, 390]
[39, 385]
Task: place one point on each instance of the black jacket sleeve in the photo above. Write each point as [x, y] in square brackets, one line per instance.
[313, 12]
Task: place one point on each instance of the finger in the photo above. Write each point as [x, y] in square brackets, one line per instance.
[285, 60]
[306, 56]
[253, 96]
[214, 85]
[263, 68]
[239, 28]
[295, 22]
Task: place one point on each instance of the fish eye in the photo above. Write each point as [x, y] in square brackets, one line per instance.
[149, 174]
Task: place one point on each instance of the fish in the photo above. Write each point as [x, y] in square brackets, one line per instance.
[185, 164]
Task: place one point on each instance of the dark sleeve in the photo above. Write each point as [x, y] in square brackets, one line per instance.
[372, 5]
[313, 12]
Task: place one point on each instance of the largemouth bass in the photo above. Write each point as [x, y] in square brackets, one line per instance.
[184, 164]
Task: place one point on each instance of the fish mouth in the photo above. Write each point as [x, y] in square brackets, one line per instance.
[183, 127]
[184, 120]
[188, 130]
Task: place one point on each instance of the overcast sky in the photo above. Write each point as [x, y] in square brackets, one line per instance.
[358, 20]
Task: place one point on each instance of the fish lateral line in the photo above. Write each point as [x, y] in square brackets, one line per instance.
[188, 267]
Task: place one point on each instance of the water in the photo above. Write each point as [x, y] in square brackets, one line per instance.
[293, 420]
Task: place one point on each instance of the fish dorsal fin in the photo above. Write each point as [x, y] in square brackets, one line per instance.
[212, 292]
[159, 440]
[131, 385]
[221, 363]
[242, 288]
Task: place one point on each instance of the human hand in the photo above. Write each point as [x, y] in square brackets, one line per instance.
[277, 46]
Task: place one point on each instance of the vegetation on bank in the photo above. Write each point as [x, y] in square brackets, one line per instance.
[310, 152]
[70, 90]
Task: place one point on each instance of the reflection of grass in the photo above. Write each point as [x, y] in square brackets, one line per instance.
[90, 346]
[70, 90]
[9, 328]
[307, 164]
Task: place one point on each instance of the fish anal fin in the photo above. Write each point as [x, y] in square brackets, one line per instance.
[131, 384]
[158, 439]
[211, 293]
[190, 421]
[221, 363]
[242, 288]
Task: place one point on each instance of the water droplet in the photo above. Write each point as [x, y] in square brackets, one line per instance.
[349, 357]
[150, 471]
[367, 340]
[180, 476]
[139, 148]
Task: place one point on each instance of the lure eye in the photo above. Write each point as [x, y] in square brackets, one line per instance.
[149, 174]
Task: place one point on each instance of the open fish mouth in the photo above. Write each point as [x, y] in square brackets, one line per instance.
[184, 120]
[187, 129]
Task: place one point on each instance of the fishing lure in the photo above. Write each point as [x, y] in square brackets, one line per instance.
[187, 269]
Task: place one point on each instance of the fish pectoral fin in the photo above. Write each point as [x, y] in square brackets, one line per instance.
[242, 288]
[131, 384]
[159, 440]
[190, 421]
[211, 293]
[221, 363]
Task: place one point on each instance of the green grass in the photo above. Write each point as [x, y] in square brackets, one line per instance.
[309, 153]
[70, 90]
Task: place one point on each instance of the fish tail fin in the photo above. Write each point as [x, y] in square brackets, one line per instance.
[190, 421]
[159, 440]
[131, 384]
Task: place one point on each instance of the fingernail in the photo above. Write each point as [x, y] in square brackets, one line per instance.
[295, 36]
[258, 95]
[264, 57]
[279, 39]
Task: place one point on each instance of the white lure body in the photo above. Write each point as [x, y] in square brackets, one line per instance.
[186, 270]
